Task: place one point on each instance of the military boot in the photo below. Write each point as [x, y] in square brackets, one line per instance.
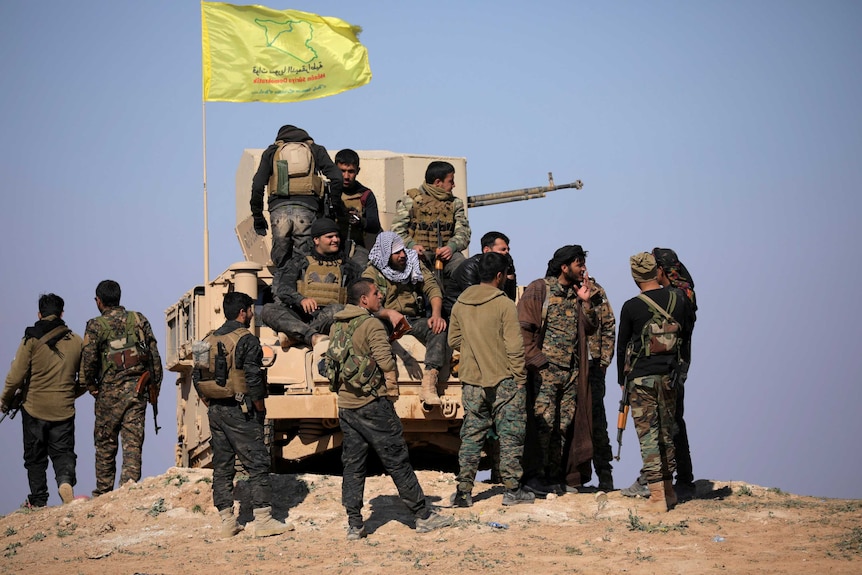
[636, 489]
[669, 494]
[265, 525]
[428, 392]
[606, 480]
[67, 494]
[432, 522]
[656, 502]
[229, 526]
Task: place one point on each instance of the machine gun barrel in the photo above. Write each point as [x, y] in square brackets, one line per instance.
[521, 194]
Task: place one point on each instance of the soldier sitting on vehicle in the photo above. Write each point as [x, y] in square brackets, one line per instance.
[407, 286]
[311, 289]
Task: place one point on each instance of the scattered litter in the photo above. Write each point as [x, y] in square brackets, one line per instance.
[496, 525]
[718, 539]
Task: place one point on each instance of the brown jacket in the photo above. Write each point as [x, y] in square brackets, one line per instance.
[484, 327]
[370, 338]
[53, 375]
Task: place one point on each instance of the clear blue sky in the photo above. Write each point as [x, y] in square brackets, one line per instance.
[730, 131]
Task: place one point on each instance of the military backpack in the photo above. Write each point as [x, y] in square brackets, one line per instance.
[294, 171]
[124, 350]
[661, 335]
[343, 366]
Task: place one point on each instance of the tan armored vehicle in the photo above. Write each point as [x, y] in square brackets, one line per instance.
[302, 413]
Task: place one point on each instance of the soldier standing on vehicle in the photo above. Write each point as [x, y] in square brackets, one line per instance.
[119, 347]
[601, 347]
[361, 223]
[297, 196]
[311, 288]
[649, 349]
[365, 412]
[408, 286]
[556, 317]
[484, 327]
[233, 386]
[43, 383]
[430, 216]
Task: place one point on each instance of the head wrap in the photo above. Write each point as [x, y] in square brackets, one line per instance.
[564, 256]
[644, 268]
[386, 244]
[323, 226]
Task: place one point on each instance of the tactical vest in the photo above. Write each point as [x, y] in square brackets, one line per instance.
[294, 172]
[425, 214]
[355, 201]
[210, 384]
[124, 351]
[661, 335]
[322, 281]
[343, 366]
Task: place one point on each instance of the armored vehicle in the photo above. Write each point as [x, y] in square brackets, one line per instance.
[302, 415]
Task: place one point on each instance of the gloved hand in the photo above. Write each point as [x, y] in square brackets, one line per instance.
[260, 225]
[259, 416]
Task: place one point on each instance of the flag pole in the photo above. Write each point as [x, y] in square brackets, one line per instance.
[206, 224]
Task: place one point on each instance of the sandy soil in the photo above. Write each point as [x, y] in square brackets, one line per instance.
[167, 525]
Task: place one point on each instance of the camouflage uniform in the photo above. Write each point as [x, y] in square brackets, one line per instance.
[455, 232]
[119, 411]
[653, 400]
[652, 393]
[601, 346]
[552, 351]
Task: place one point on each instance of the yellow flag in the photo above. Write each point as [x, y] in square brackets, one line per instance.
[255, 54]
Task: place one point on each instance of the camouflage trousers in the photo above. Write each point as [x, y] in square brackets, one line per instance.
[653, 402]
[376, 425]
[554, 409]
[120, 415]
[298, 324]
[238, 435]
[291, 232]
[602, 452]
[503, 408]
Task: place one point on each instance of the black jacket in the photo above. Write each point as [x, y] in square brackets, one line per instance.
[324, 163]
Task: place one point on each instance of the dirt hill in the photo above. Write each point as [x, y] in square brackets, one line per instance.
[167, 525]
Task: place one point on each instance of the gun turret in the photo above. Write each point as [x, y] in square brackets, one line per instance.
[521, 194]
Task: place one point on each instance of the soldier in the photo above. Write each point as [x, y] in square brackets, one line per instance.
[556, 317]
[485, 328]
[407, 286]
[431, 215]
[119, 347]
[361, 224]
[467, 274]
[673, 275]
[645, 362]
[367, 416]
[44, 373]
[310, 289]
[234, 395]
[601, 347]
[295, 192]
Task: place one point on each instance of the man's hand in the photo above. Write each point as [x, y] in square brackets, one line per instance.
[419, 250]
[444, 253]
[584, 292]
[391, 378]
[308, 305]
[4, 408]
[391, 315]
[437, 324]
[260, 225]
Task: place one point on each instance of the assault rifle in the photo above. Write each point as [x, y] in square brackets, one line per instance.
[328, 205]
[438, 263]
[621, 420]
[146, 386]
[14, 404]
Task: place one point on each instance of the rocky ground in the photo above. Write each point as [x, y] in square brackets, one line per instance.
[167, 525]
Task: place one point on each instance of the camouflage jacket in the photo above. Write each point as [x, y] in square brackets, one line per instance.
[603, 341]
[460, 239]
[553, 338]
[96, 340]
